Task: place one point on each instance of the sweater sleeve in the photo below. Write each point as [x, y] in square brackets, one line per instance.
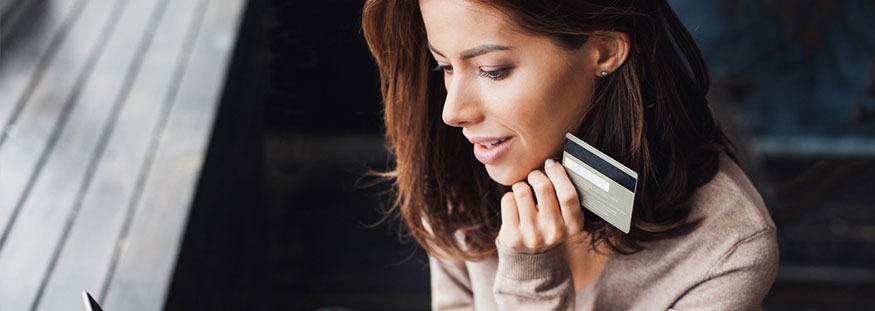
[539, 281]
[450, 285]
[740, 280]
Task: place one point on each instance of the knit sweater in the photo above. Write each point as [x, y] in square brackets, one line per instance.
[728, 262]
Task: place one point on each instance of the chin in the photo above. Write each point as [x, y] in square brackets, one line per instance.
[505, 176]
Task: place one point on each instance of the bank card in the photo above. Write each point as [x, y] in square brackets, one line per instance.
[605, 187]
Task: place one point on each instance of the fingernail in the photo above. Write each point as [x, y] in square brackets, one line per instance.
[549, 163]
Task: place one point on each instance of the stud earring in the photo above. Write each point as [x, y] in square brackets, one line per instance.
[604, 74]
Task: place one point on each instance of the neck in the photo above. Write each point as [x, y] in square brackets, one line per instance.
[584, 262]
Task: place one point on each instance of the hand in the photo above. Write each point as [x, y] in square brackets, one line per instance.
[527, 228]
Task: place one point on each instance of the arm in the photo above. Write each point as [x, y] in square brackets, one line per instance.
[532, 273]
[539, 281]
[740, 280]
[450, 282]
[450, 285]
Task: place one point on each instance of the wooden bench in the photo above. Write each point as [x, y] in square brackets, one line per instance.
[106, 108]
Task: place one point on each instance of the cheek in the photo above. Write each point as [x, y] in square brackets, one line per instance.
[521, 102]
[549, 105]
[569, 98]
[541, 104]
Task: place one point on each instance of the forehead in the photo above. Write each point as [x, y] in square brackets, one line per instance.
[454, 25]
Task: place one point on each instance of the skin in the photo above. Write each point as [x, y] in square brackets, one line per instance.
[522, 86]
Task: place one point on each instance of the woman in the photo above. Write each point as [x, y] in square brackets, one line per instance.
[503, 225]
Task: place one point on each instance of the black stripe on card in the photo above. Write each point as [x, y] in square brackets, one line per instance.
[607, 169]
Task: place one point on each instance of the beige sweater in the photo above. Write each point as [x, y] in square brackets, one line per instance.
[728, 263]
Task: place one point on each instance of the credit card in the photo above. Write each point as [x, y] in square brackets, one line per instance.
[605, 187]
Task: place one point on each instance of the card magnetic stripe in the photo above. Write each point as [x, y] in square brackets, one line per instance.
[620, 177]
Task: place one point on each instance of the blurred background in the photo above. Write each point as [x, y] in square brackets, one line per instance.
[275, 214]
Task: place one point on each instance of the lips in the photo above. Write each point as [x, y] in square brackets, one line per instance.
[489, 150]
[489, 144]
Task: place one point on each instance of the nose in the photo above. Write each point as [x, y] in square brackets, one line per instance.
[462, 105]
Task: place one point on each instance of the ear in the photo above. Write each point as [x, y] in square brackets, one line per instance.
[610, 50]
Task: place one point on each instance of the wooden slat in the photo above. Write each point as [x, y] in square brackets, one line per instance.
[22, 61]
[144, 270]
[44, 111]
[88, 256]
[49, 195]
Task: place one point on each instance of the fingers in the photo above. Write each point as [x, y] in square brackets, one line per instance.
[509, 214]
[530, 228]
[566, 194]
[525, 204]
[548, 206]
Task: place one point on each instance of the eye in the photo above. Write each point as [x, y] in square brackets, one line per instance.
[444, 68]
[495, 74]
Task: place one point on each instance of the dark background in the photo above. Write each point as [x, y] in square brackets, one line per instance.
[281, 219]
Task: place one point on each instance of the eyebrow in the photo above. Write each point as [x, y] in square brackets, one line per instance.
[477, 51]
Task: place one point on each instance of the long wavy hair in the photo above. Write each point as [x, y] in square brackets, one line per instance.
[651, 114]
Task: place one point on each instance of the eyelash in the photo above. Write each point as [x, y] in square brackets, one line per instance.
[443, 68]
[493, 75]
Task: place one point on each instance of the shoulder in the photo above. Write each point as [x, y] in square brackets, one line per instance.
[734, 250]
[435, 251]
[731, 217]
[735, 228]
[729, 259]
[729, 207]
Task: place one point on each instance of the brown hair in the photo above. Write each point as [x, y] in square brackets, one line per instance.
[651, 114]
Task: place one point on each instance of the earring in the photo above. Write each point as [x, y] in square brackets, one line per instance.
[604, 74]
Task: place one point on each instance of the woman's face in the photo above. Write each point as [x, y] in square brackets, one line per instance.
[514, 95]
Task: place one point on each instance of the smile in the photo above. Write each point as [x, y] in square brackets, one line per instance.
[488, 152]
[490, 144]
